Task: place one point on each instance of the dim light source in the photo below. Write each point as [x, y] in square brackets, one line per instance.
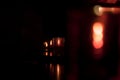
[51, 54]
[46, 53]
[58, 72]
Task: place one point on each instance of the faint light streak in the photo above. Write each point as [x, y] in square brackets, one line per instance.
[52, 69]
[46, 53]
[108, 1]
[111, 9]
[116, 10]
[50, 66]
[97, 28]
[97, 35]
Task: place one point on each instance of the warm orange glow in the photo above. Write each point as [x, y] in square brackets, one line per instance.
[116, 10]
[108, 1]
[46, 44]
[46, 53]
[50, 65]
[97, 35]
[110, 9]
[98, 28]
[58, 68]
[58, 41]
[46, 49]
[51, 54]
[98, 44]
[111, 1]
[51, 43]
[58, 72]
[99, 10]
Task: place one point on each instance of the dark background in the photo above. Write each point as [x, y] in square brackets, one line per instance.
[25, 25]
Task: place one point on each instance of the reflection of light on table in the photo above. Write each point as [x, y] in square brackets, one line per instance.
[58, 72]
[51, 68]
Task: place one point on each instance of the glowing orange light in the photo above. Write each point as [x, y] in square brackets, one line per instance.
[58, 41]
[98, 44]
[46, 44]
[97, 35]
[50, 65]
[58, 72]
[98, 28]
[46, 53]
[58, 68]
